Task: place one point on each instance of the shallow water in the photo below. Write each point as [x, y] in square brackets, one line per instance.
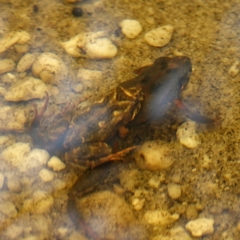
[208, 175]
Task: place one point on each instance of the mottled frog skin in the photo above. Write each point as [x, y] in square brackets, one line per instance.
[85, 133]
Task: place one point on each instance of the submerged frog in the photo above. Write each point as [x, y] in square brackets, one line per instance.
[85, 133]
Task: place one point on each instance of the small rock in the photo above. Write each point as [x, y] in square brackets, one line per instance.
[131, 28]
[95, 45]
[42, 202]
[7, 65]
[78, 88]
[21, 48]
[1, 180]
[58, 184]
[46, 175]
[13, 119]
[16, 153]
[154, 155]
[104, 212]
[26, 62]
[174, 190]
[154, 182]
[160, 217]
[56, 164]
[77, 12]
[63, 231]
[200, 227]
[159, 37]
[26, 89]
[234, 69]
[8, 208]
[50, 68]
[191, 212]
[20, 37]
[138, 203]
[187, 135]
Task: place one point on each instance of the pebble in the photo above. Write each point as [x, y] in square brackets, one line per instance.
[131, 28]
[191, 212]
[159, 37]
[104, 212]
[26, 62]
[187, 135]
[13, 119]
[50, 68]
[7, 65]
[200, 227]
[46, 175]
[56, 164]
[94, 45]
[20, 37]
[234, 69]
[154, 182]
[174, 190]
[42, 202]
[8, 208]
[138, 203]
[1, 180]
[26, 89]
[77, 12]
[154, 155]
[100, 48]
[160, 217]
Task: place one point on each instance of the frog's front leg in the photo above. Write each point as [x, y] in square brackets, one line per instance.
[95, 154]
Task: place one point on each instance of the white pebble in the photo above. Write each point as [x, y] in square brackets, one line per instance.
[20, 37]
[16, 153]
[56, 164]
[94, 45]
[234, 69]
[13, 119]
[50, 68]
[8, 208]
[174, 190]
[100, 48]
[6, 65]
[138, 203]
[159, 37]
[46, 175]
[26, 62]
[1, 180]
[58, 184]
[154, 155]
[200, 227]
[154, 182]
[131, 28]
[187, 135]
[26, 89]
[160, 217]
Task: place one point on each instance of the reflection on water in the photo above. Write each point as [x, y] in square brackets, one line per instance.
[82, 54]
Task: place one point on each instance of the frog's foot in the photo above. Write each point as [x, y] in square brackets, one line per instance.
[112, 157]
[98, 161]
[193, 115]
[39, 116]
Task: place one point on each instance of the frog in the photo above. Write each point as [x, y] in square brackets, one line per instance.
[85, 133]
